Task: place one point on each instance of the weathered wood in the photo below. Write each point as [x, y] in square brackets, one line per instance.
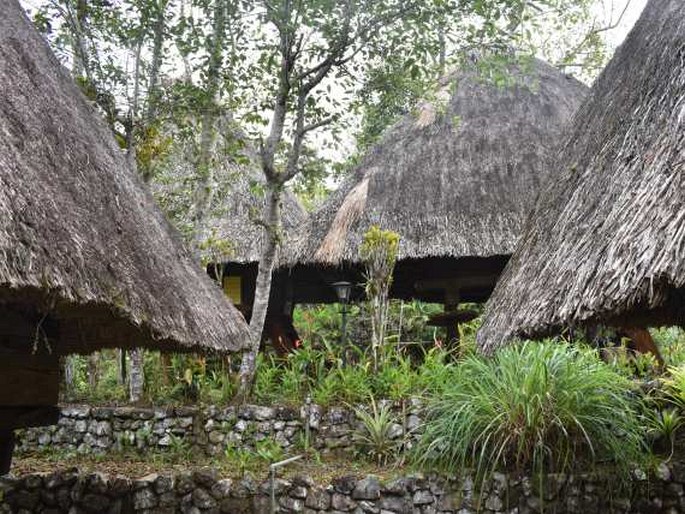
[6, 449]
[455, 283]
[27, 380]
[25, 417]
[447, 318]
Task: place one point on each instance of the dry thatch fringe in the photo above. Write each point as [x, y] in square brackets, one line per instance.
[349, 212]
[81, 240]
[606, 240]
[458, 180]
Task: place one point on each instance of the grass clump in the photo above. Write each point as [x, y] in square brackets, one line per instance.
[533, 407]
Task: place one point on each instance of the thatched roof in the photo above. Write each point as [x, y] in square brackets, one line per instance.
[82, 245]
[234, 212]
[239, 208]
[454, 179]
[606, 241]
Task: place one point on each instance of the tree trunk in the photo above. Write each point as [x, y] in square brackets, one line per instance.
[68, 374]
[262, 291]
[81, 62]
[156, 64]
[165, 363]
[136, 375]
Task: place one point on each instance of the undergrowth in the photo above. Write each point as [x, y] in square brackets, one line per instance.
[546, 407]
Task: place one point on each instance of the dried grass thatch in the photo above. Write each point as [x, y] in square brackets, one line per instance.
[235, 210]
[238, 213]
[606, 241]
[83, 248]
[454, 179]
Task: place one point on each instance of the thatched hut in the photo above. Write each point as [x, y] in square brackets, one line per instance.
[455, 180]
[236, 220]
[86, 259]
[605, 243]
[229, 234]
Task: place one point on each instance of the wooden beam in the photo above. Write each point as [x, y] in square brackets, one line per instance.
[27, 380]
[25, 417]
[455, 283]
[449, 318]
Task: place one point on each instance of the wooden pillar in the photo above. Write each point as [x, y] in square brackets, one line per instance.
[6, 449]
[452, 305]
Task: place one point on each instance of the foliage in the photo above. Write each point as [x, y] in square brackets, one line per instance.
[663, 425]
[631, 364]
[373, 437]
[320, 374]
[540, 407]
[269, 450]
[391, 90]
[436, 372]
[674, 385]
[180, 448]
[244, 459]
[671, 343]
[107, 388]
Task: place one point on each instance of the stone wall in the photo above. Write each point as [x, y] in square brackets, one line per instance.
[204, 491]
[209, 429]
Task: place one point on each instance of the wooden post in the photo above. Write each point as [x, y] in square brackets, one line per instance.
[452, 305]
[12, 418]
[6, 449]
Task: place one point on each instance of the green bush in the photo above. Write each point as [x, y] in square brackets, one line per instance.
[671, 343]
[435, 371]
[674, 386]
[533, 407]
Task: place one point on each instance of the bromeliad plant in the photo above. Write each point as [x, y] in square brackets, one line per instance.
[374, 436]
[533, 407]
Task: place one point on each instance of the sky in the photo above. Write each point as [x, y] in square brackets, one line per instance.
[617, 35]
[614, 37]
[607, 12]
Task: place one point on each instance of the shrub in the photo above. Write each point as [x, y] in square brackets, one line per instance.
[267, 379]
[662, 427]
[435, 371]
[671, 343]
[373, 437]
[674, 386]
[533, 407]
[395, 379]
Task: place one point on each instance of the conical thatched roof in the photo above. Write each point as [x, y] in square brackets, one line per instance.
[456, 178]
[606, 241]
[236, 217]
[235, 210]
[83, 249]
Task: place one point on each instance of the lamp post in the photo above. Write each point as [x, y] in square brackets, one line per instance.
[343, 290]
